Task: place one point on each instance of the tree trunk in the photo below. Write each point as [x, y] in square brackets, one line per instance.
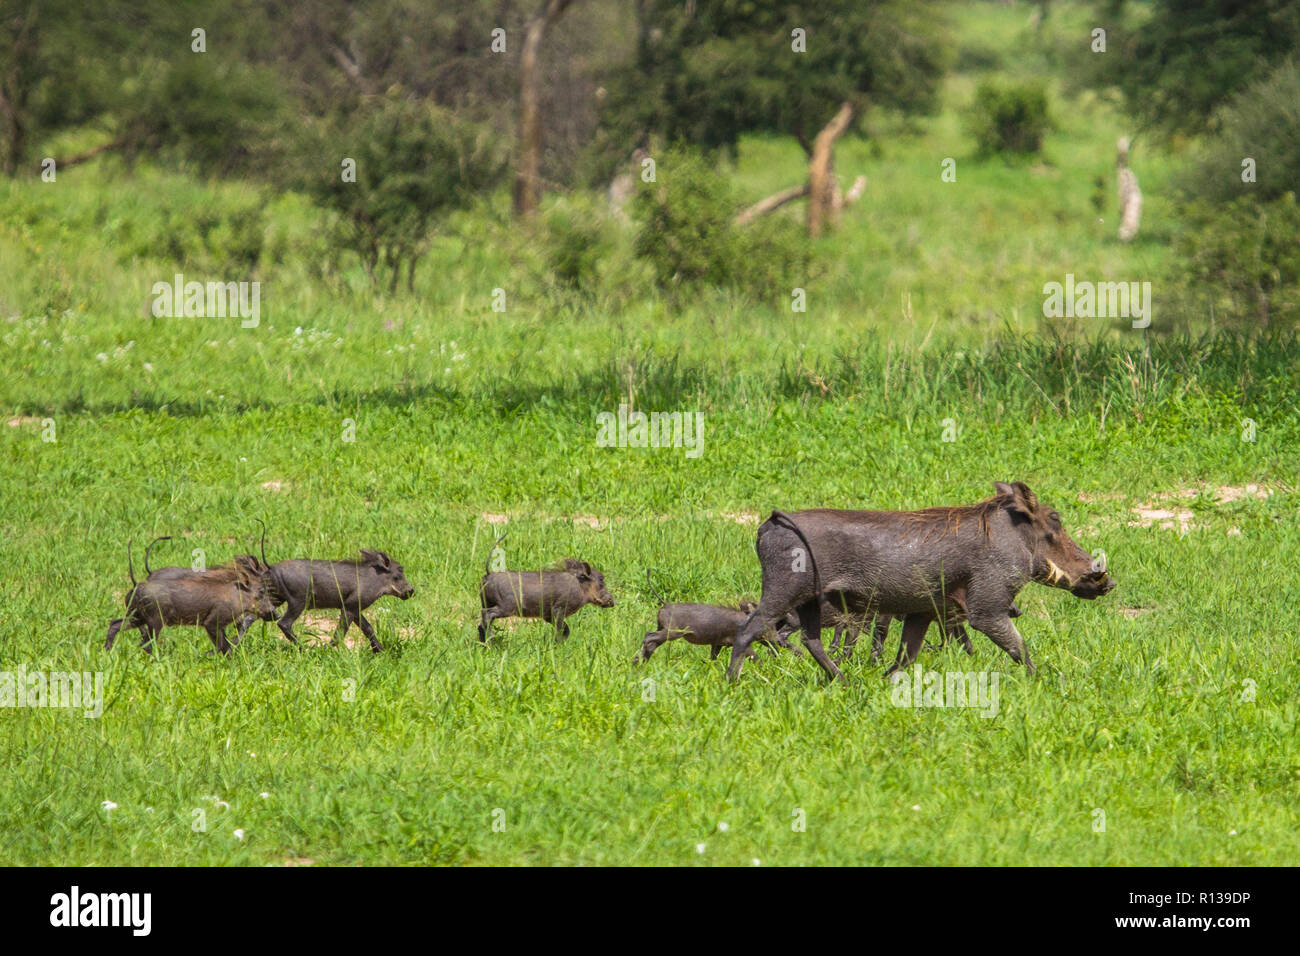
[15, 136]
[13, 97]
[1130, 197]
[822, 209]
[15, 87]
[527, 186]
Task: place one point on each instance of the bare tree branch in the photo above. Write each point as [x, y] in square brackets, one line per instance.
[350, 67]
[78, 158]
[773, 202]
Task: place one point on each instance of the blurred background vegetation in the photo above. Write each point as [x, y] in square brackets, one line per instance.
[600, 153]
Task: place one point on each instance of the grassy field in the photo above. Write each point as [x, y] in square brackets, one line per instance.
[1168, 705]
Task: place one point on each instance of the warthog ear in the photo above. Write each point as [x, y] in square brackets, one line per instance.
[1029, 498]
[376, 558]
[1018, 497]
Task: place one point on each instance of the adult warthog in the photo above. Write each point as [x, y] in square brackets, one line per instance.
[910, 564]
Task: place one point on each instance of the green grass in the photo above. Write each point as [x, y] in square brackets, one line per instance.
[195, 427]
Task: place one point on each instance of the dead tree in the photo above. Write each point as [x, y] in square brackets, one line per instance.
[775, 201]
[623, 186]
[1130, 197]
[825, 199]
[823, 208]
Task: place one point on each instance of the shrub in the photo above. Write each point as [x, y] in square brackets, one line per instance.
[220, 118]
[577, 256]
[212, 233]
[575, 243]
[1009, 118]
[414, 163]
[1262, 124]
[687, 235]
[1245, 256]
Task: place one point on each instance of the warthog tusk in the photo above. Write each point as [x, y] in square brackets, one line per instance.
[1055, 574]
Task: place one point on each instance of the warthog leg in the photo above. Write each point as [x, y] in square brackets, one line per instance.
[217, 633]
[489, 615]
[810, 619]
[914, 628]
[295, 607]
[1003, 633]
[760, 621]
[652, 642]
[359, 620]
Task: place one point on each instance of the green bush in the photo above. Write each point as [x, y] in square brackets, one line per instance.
[207, 236]
[1009, 118]
[220, 118]
[1262, 124]
[577, 256]
[1245, 257]
[414, 163]
[686, 234]
[576, 241]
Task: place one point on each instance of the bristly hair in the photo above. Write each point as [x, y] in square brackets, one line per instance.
[232, 572]
[953, 515]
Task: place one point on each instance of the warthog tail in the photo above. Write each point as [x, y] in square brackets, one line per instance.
[662, 599]
[146, 554]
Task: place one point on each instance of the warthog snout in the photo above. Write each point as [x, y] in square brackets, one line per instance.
[592, 583]
[1093, 585]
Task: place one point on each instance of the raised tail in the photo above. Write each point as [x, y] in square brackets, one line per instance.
[263, 524]
[147, 571]
[649, 581]
[130, 567]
